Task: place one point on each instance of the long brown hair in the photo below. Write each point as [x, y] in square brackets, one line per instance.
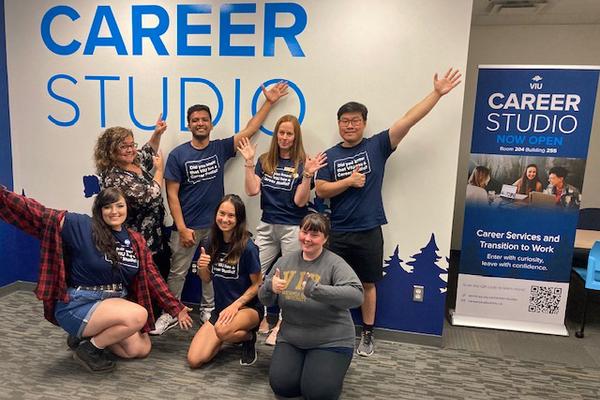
[107, 147]
[528, 185]
[270, 159]
[239, 236]
[101, 232]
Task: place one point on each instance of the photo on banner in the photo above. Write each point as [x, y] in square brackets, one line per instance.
[529, 147]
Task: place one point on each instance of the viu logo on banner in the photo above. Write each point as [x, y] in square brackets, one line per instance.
[534, 112]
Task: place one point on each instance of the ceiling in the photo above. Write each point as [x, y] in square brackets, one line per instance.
[536, 12]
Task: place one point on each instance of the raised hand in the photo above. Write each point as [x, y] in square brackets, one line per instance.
[247, 149]
[161, 125]
[450, 80]
[357, 179]
[312, 165]
[276, 92]
[185, 321]
[278, 284]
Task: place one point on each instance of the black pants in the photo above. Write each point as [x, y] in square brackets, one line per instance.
[313, 374]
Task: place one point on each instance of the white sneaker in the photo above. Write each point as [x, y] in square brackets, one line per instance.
[205, 314]
[163, 324]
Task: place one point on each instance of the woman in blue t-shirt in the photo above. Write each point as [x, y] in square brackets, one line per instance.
[230, 260]
[97, 277]
[283, 177]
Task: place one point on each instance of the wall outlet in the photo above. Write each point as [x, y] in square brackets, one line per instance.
[418, 293]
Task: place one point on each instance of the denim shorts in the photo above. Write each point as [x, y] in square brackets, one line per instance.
[74, 315]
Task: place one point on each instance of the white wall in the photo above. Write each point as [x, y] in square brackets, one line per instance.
[531, 45]
[382, 53]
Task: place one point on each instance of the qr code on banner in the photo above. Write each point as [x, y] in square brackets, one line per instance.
[544, 299]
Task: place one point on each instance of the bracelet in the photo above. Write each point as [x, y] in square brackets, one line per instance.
[249, 165]
[307, 175]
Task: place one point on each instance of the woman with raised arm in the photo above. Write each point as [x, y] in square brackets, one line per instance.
[96, 277]
[120, 164]
[315, 289]
[230, 260]
[283, 178]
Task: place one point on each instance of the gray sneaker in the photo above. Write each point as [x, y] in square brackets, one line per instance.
[163, 324]
[366, 345]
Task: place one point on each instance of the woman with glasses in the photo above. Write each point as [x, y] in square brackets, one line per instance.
[283, 177]
[121, 164]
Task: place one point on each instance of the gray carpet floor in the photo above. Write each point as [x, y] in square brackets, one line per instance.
[35, 363]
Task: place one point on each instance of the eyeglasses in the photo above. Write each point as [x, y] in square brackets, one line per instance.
[353, 121]
[125, 147]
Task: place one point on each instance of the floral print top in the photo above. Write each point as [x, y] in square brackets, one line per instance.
[146, 211]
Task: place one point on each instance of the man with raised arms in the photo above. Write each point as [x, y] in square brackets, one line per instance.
[194, 174]
[353, 180]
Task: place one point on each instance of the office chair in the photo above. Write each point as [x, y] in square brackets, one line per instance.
[591, 279]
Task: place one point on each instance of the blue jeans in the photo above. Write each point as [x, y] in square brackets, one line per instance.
[74, 316]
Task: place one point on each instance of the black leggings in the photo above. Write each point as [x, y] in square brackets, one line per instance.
[313, 373]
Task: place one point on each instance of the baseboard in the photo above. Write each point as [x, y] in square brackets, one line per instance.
[405, 337]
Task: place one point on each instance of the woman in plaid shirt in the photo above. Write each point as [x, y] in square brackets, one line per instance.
[102, 295]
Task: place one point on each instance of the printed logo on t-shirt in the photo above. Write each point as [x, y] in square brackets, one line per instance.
[127, 257]
[224, 270]
[282, 179]
[294, 289]
[343, 167]
[202, 170]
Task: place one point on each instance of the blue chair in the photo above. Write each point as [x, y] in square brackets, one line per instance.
[591, 278]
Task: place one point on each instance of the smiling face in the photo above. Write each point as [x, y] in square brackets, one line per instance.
[114, 214]
[285, 137]
[125, 152]
[200, 125]
[351, 127]
[226, 219]
[312, 242]
[556, 181]
[531, 173]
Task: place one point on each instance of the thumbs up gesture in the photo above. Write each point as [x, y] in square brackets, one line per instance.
[357, 179]
[278, 284]
[204, 259]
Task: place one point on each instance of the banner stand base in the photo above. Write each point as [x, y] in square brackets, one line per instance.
[509, 325]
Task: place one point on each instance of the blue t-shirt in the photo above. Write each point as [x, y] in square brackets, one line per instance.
[230, 282]
[358, 209]
[277, 193]
[200, 174]
[89, 267]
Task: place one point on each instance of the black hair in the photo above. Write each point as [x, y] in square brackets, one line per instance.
[561, 172]
[315, 222]
[240, 234]
[198, 107]
[101, 232]
[353, 107]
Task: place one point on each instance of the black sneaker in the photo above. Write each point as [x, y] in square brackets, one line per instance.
[249, 350]
[73, 342]
[92, 358]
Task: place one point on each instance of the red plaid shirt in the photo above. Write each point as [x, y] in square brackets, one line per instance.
[44, 223]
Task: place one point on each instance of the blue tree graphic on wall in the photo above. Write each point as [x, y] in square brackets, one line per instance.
[395, 307]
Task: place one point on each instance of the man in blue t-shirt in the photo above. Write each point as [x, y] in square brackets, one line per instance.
[352, 180]
[194, 176]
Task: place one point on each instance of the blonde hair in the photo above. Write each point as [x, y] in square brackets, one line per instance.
[107, 147]
[269, 160]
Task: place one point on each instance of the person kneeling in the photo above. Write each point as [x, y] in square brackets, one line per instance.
[315, 289]
[232, 264]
